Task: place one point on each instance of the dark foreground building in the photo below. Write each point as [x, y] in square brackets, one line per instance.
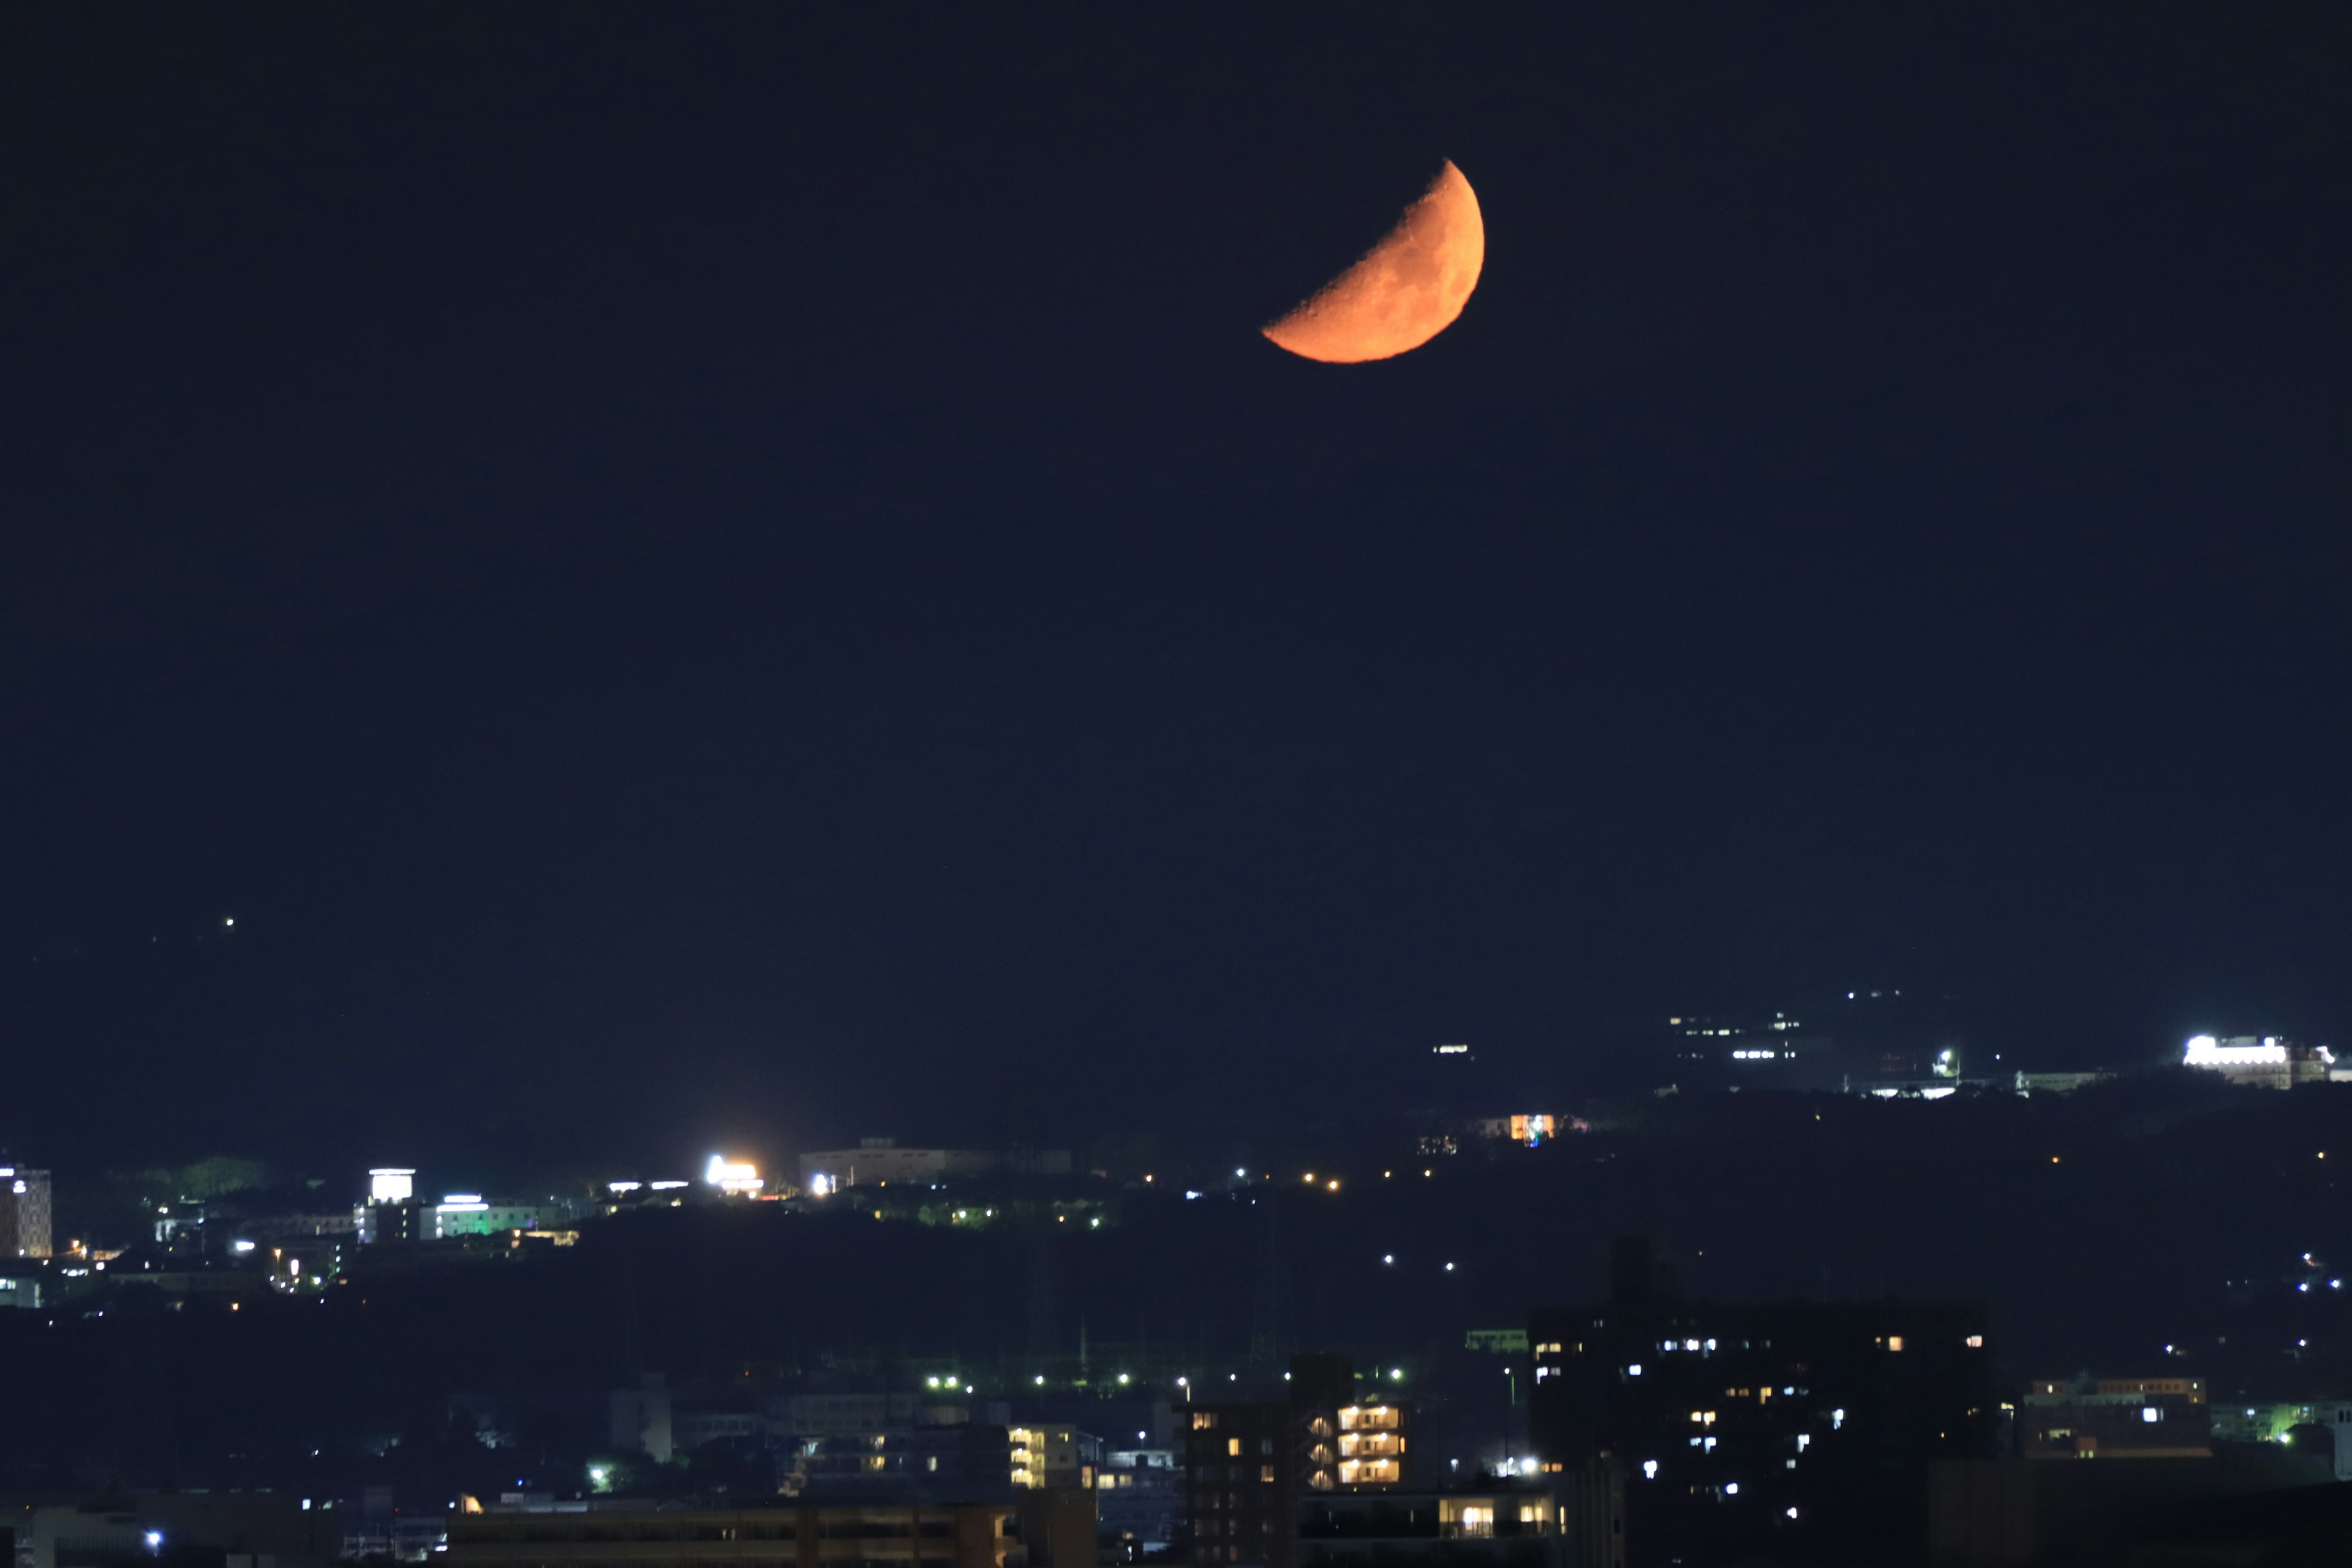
[1042, 1530]
[1788, 1427]
[1505, 1524]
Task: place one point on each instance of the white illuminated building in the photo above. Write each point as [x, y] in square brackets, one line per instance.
[391, 1185]
[2265, 1061]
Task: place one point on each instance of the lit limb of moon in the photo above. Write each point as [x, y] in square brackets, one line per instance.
[1408, 289]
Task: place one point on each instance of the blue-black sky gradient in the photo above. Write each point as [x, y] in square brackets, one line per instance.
[742, 572]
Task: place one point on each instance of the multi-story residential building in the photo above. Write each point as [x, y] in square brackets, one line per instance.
[1784, 1428]
[1247, 1463]
[1139, 1495]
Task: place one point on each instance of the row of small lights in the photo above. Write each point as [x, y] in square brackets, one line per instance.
[952, 1384]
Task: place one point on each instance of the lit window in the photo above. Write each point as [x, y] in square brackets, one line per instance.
[1895, 1341]
[1233, 1446]
[1976, 1341]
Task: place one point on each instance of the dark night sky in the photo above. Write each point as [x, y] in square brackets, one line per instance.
[697, 572]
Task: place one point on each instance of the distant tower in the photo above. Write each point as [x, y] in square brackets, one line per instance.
[1271, 1331]
[1041, 1301]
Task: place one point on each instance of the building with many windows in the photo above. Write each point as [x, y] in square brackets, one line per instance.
[1247, 1464]
[1767, 1428]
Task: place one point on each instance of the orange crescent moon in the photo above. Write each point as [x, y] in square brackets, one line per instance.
[1408, 289]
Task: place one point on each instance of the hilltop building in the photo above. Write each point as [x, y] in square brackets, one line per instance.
[879, 1161]
[2116, 1418]
[25, 1223]
[2261, 1062]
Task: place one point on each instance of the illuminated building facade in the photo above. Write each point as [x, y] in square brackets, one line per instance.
[25, 1223]
[2116, 1418]
[1785, 1428]
[2263, 1061]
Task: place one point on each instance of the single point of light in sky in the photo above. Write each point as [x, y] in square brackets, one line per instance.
[1041, 1380]
[1388, 1257]
[1122, 1379]
[230, 921]
[154, 1539]
[1449, 1268]
[1240, 1172]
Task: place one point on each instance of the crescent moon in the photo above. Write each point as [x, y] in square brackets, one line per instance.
[1408, 289]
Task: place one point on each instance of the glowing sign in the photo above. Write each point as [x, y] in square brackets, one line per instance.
[740, 1177]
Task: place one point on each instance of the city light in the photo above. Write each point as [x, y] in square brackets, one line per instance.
[1649, 1469]
[240, 1247]
[820, 1185]
[740, 1178]
[2205, 1051]
[154, 1539]
[391, 1184]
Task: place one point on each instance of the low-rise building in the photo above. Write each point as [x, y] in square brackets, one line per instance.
[2264, 1061]
[879, 1161]
[2116, 1418]
[1521, 1524]
[784, 1535]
